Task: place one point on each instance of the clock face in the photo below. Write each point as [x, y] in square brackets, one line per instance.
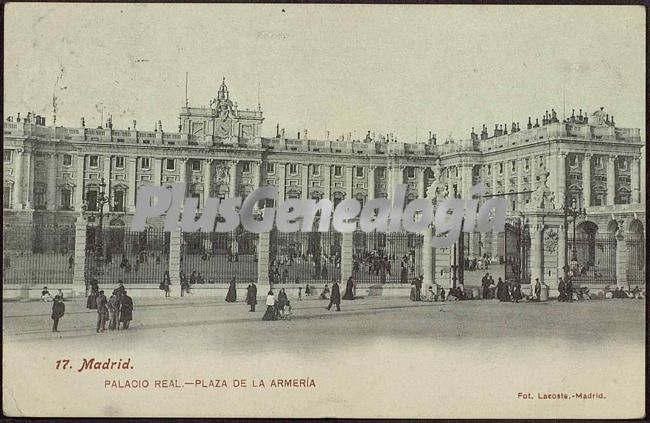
[222, 128]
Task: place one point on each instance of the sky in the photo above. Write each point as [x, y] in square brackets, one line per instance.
[348, 68]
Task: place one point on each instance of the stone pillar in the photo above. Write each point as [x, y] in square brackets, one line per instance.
[635, 180]
[536, 251]
[348, 181]
[79, 266]
[156, 168]
[256, 173]
[207, 180]
[521, 201]
[79, 189]
[327, 177]
[561, 180]
[420, 181]
[611, 180]
[182, 165]
[347, 261]
[371, 183]
[282, 178]
[18, 179]
[174, 263]
[29, 178]
[428, 265]
[495, 168]
[263, 251]
[622, 261]
[107, 178]
[233, 179]
[130, 201]
[51, 181]
[305, 181]
[586, 180]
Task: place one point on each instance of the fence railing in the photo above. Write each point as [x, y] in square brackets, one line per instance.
[596, 259]
[305, 257]
[386, 258]
[38, 254]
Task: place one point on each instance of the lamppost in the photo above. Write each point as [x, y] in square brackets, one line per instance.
[100, 201]
[571, 209]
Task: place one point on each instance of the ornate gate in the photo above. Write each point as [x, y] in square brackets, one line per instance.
[517, 251]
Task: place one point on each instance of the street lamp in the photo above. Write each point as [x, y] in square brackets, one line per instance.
[100, 201]
[571, 209]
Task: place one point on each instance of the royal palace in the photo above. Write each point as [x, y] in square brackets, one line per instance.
[575, 187]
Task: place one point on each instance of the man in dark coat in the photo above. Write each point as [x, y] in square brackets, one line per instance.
[102, 311]
[485, 283]
[335, 297]
[251, 296]
[58, 310]
[561, 287]
[569, 290]
[126, 310]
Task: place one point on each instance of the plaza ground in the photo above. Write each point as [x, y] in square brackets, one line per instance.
[375, 356]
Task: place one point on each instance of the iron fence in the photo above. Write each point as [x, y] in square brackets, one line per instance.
[114, 254]
[592, 258]
[38, 254]
[304, 257]
[636, 258]
[218, 257]
[517, 251]
[386, 258]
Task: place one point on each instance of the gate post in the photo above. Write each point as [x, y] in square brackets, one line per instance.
[263, 252]
[347, 262]
[174, 263]
[561, 251]
[79, 266]
[536, 253]
[428, 265]
[621, 260]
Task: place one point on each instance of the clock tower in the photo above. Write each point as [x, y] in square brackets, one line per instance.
[222, 123]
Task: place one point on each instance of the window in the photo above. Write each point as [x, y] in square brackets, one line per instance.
[93, 161]
[39, 197]
[246, 167]
[315, 170]
[144, 163]
[513, 165]
[410, 172]
[269, 202]
[360, 171]
[527, 164]
[381, 172]
[598, 162]
[67, 160]
[573, 160]
[196, 165]
[170, 164]
[7, 155]
[338, 171]
[622, 164]
[500, 168]
[6, 196]
[66, 199]
[91, 200]
[293, 169]
[489, 170]
[270, 168]
[119, 162]
[118, 200]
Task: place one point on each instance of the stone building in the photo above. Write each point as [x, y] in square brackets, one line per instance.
[585, 160]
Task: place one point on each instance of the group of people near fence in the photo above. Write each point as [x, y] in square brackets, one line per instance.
[277, 308]
[116, 310]
[477, 263]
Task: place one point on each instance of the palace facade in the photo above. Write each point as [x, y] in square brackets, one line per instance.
[51, 172]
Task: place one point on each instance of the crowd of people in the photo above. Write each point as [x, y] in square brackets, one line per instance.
[116, 310]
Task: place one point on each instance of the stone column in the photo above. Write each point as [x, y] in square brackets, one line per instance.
[174, 263]
[263, 251]
[536, 251]
[156, 168]
[107, 178]
[495, 168]
[586, 180]
[207, 180]
[561, 180]
[371, 183]
[327, 177]
[18, 179]
[421, 187]
[428, 265]
[282, 178]
[521, 201]
[635, 180]
[305, 181]
[256, 173]
[182, 169]
[346, 256]
[51, 181]
[233, 178]
[611, 180]
[29, 179]
[562, 250]
[130, 202]
[79, 266]
[348, 181]
[79, 189]
[622, 261]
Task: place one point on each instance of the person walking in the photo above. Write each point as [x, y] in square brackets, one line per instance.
[335, 297]
[251, 296]
[102, 311]
[126, 310]
[114, 311]
[561, 287]
[58, 310]
[300, 293]
[231, 297]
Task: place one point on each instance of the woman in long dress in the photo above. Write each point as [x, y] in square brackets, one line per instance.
[91, 302]
[231, 297]
[349, 289]
[270, 307]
